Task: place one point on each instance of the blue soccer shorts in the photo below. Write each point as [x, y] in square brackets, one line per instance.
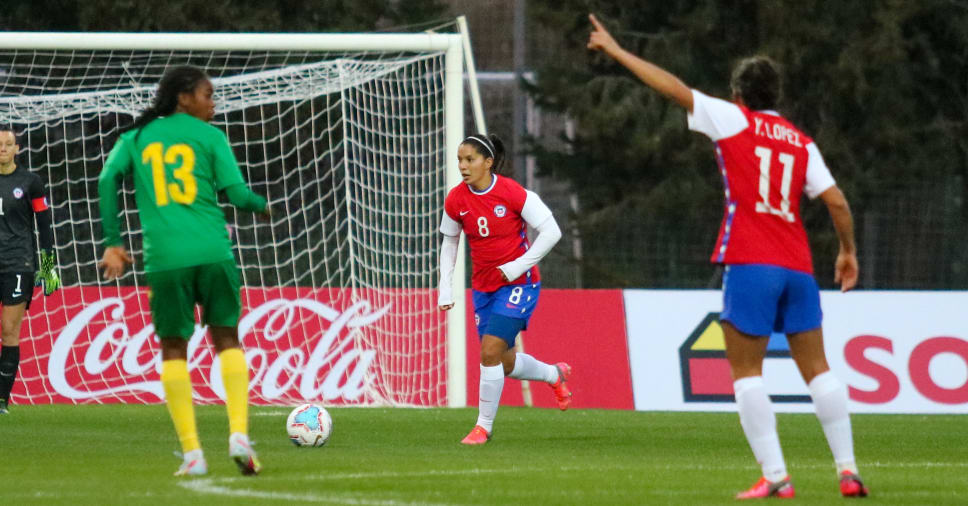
[506, 311]
[762, 299]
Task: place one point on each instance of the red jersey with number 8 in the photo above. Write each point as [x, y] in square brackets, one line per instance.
[496, 232]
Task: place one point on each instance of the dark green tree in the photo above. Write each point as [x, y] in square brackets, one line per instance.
[882, 87]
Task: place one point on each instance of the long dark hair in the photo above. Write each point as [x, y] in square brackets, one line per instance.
[757, 81]
[176, 81]
[489, 146]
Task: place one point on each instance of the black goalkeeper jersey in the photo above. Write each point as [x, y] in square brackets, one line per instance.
[21, 193]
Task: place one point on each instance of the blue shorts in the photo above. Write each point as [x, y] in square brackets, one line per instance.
[506, 311]
[762, 299]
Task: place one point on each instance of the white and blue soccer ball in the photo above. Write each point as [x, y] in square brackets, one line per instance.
[309, 425]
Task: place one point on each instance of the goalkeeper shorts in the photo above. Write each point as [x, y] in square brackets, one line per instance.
[16, 288]
[173, 294]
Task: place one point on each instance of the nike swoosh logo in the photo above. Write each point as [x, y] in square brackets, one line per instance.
[462, 213]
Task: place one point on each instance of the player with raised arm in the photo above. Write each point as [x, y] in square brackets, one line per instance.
[767, 164]
[179, 162]
[23, 199]
[494, 211]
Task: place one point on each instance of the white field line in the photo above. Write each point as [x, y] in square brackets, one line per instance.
[208, 486]
[274, 412]
[224, 486]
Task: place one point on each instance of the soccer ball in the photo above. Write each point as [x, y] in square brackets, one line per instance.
[309, 425]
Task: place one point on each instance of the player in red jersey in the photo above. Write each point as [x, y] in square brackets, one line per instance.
[767, 164]
[494, 212]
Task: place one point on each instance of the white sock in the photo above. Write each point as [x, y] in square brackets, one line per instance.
[830, 403]
[759, 424]
[527, 367]
[492, 383]
[194, 455]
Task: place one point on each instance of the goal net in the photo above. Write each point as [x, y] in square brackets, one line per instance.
[349, 135]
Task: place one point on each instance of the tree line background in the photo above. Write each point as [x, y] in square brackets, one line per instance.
[881, 86]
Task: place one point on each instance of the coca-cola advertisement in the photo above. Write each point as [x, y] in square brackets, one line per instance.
[330, 345]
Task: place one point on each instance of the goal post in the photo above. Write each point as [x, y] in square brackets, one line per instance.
[355, 136]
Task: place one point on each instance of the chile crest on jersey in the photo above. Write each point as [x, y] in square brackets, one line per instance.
[496, 232]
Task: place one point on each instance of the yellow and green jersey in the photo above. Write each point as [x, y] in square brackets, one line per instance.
[179, 164]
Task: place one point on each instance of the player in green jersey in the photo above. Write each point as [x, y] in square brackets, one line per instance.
[179, 162]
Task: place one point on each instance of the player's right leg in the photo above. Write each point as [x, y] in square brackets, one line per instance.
[829, 397]
[219, 296]
[16, 290]
[750, 294]
[802, 319]
[235, 377]
[172, 301]
[491, 387]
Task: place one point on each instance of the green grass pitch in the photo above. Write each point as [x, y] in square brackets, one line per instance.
[123, 454]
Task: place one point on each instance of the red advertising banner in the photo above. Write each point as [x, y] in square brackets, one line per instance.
[584, 328]
[97, 345]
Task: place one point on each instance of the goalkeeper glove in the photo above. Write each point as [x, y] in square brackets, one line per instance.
[47, 275]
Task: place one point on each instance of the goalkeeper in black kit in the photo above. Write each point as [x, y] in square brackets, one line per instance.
[23, 198]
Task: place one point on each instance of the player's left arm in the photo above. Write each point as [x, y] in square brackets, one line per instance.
[820, 183]
[652, 75]
[538, 216]
[228, 177]
[47, 274]
[846, 267]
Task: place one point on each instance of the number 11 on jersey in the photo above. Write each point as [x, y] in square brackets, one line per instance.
[763, 205]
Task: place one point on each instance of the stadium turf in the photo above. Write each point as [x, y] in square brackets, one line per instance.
[123, 454]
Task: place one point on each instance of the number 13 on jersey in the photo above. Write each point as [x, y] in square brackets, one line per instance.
[156, 154]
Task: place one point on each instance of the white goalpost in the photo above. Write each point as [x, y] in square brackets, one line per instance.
[354, 136]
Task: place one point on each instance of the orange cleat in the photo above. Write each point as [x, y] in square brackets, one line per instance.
[852, 486]
[562, 394]
[782, 489]
[478, 436]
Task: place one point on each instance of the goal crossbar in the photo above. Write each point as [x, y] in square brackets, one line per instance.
[231, 41]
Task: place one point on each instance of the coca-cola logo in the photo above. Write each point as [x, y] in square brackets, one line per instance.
[299, 348]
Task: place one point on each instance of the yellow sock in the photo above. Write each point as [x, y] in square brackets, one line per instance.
[235, 377]
[178, 396]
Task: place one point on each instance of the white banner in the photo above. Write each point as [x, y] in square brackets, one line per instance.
[898, 352]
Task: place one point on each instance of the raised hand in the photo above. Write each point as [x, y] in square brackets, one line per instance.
[600, 39]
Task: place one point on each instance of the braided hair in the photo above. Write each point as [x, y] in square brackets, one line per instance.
[178, 80]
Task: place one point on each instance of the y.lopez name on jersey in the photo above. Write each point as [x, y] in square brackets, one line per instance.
[776, 132]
